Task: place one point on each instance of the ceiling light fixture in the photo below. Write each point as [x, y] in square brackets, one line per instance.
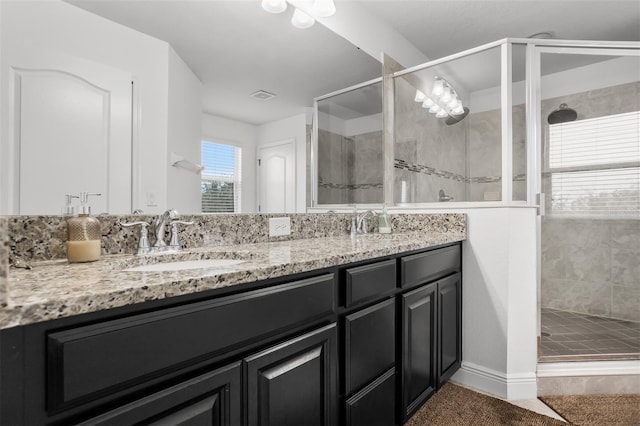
[274, 6]
[302, 18]
[443, 101]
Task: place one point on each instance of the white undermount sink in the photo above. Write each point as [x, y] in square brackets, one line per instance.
[222, 264]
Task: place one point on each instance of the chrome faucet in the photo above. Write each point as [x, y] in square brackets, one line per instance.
[361, 221]
[159, 226]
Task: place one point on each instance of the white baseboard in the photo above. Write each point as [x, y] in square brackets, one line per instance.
[589, 368]
[502, 385]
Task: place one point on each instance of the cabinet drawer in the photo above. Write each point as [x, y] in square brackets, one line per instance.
[369, 281]
[89, 362]
[374, 405]
[424, 267]
[370, 344]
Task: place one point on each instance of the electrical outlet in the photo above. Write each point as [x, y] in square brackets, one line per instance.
[279, 226]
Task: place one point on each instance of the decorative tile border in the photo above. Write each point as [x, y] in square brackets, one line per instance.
[323, 184]
[431, 171]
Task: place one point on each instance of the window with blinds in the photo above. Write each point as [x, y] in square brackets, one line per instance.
[594, 166]
[221, 182]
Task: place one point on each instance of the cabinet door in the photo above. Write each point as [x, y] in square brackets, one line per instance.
[370, 344]
[450, 319]
[419, 333]
[294, 383]
[209, 399]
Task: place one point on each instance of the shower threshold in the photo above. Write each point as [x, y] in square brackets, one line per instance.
[570, 336]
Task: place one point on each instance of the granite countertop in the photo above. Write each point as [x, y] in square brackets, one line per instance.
[56, 289]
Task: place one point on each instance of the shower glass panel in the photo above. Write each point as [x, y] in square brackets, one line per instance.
[444, 150]
[590, 235]
[350, 147]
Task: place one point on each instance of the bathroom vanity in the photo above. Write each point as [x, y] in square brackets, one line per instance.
[362, 336]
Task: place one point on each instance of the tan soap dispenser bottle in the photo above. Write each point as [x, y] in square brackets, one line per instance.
[83, 234]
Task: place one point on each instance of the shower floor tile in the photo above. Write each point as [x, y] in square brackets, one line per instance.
[569, 336]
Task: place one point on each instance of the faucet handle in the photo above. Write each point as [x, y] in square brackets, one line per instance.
[143, 242]
[175, 241]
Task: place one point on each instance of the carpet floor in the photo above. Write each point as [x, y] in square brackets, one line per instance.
[597, 410]
[454, 405]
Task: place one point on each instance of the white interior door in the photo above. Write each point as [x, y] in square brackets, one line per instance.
[276, 178]
[71, 133]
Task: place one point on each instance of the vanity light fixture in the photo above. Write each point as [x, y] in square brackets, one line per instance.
[274, 6]
[301, 18]
[323, 8]
[443, 101]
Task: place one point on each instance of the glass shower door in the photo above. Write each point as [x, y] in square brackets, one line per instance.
[590, 229]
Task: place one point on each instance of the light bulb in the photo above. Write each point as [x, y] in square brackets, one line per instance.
[438, 88]
[428, 103]
[442, 113]
[323, 8]
[446, 95]
[458, 110]
[420, 97]
[301, 20]
[274, 6]
[434, 109]
[453, 103]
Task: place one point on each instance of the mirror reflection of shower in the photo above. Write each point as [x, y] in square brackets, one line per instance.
[350, 146]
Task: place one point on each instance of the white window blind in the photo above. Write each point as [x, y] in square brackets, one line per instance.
[221, 183]
[595, 166]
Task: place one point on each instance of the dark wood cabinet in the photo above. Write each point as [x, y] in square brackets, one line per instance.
[294, 383]
[419, 345]
[450, 327]
[360, 344]
[431, 324]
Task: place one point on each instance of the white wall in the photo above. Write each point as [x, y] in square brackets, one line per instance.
[290, 128]
[184, 132]
[499, 314]
[243, 135]
[58, 26]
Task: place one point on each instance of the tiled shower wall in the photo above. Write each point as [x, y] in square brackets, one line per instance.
[464, 159]
[592, 266]
[350, 169]
[429, 154]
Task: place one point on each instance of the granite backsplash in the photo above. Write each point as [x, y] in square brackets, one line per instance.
[38, 238]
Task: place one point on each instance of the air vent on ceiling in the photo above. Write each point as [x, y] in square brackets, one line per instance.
[262, 95]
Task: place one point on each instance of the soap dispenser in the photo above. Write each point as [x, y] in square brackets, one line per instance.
[83, 234]
[384, 222]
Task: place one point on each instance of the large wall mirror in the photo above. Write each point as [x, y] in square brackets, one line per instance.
[72, 120]
[350, 146]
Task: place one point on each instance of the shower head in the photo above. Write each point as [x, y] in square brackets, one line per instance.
[453, 119]
[562, 115]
